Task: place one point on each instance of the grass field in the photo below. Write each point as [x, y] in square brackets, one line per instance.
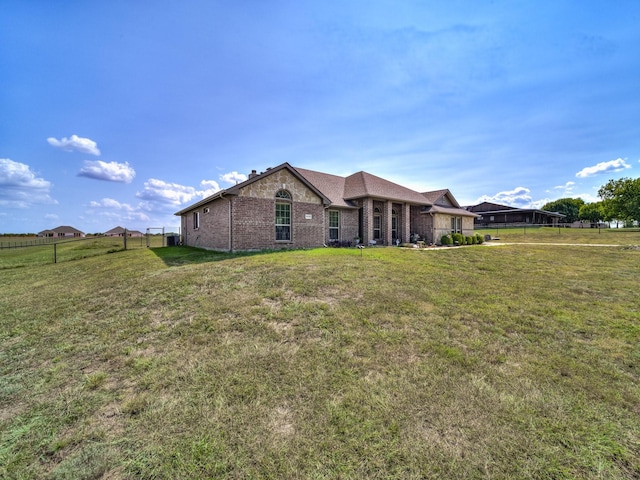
[515, 361]
[38, 251]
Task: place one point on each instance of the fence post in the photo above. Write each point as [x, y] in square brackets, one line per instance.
[55, 253]
[125, 238]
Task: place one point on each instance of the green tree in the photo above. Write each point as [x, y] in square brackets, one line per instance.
[593, 212]
[569, 207]
[622, 198]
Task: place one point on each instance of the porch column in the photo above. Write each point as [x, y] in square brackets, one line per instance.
[387, 237]
[406, 223]
[367, 220]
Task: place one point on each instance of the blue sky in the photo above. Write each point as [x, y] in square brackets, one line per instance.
[124, 112]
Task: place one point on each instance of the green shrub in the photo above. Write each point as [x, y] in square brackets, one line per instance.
[469, 240]
[479, 239]
[446, 240]
[458, 238]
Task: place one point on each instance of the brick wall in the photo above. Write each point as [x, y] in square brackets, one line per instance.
[422, 224]
[467, 225]
[213, 232]
[268, 186]
[348, 224]
[254, 224]
[367, 220]
[406, 223]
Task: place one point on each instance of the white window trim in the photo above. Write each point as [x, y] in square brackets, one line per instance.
[336, 228]
[283, 197]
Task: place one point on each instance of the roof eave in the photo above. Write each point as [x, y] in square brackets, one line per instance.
[204, 201]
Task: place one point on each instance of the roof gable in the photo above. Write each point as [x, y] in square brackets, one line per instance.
[441, 197]
[235, 190]
[363, 184]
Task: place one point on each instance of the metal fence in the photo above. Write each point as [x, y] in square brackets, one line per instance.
[559, 227]
[16, 251]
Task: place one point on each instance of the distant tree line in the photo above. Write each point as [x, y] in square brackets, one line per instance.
[620, 202]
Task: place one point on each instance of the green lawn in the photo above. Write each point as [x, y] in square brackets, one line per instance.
[621, 236]
[517, 361]
[20, 251]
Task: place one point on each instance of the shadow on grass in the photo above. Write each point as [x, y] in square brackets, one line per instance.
[182, 255]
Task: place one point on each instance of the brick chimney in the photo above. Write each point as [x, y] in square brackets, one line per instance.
[253, 174]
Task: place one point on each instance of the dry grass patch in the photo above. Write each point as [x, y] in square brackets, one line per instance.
[517, 362]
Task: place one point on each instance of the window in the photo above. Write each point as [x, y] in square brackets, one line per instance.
[196, 220]
[334, 225]
[283, 216]
[456, 224]
[377, 223]
[394, 225]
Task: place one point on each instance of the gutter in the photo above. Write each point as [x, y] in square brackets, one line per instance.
[230, 224]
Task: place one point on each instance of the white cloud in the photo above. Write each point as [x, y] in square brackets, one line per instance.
[111, 203]
[117, 212]
[539, 203]
[233, 177]
[112, 171]
[519, 197]
[567, 186]
[210, 187]
[603, 167]
[84, 145]
[563, 190]
[175, 194]
[20, 187]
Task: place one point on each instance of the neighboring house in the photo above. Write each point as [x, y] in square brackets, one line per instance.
[588, 224]
[62, 231]
[119, 232]
[492, 213]
[288, 207]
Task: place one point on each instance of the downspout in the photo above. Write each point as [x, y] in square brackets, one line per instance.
[230, 224]
[325, 237]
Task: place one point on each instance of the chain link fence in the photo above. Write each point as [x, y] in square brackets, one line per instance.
[23, 251]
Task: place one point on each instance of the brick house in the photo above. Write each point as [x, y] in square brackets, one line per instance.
[288, 207]
[62, 231]
[119, 232]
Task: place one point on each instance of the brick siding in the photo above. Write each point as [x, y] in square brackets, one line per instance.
[254, 225]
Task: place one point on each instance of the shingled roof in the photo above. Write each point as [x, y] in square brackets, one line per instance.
[332, 186]
[363, 184]
[434, 196]
[341, 191]
[115, 231]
